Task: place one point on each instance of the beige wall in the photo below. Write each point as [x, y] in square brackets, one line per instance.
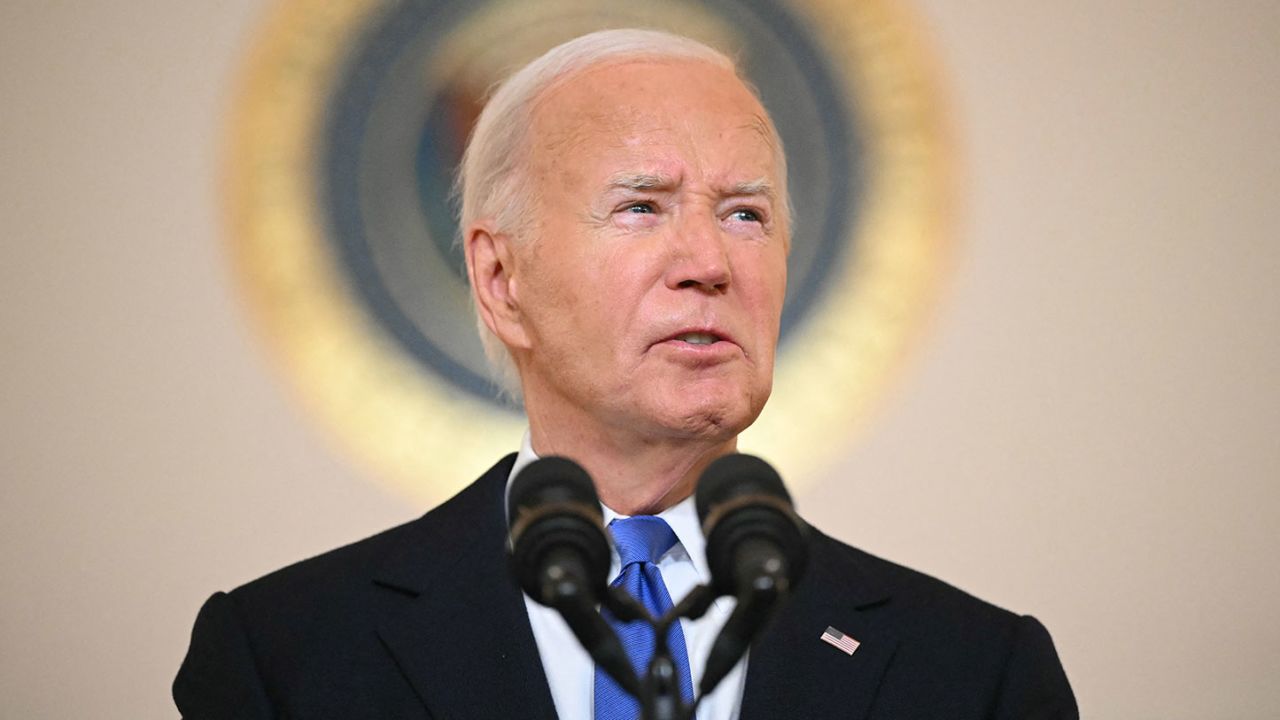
[1087, 433]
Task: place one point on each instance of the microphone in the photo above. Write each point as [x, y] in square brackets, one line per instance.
[560, 555]
[755, 548]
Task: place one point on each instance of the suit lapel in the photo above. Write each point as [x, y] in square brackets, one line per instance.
[792, 673]
[461, 636]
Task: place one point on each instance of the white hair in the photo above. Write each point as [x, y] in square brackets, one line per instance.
[491, 179]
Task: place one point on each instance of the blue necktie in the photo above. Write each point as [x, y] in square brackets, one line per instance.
[641, 541]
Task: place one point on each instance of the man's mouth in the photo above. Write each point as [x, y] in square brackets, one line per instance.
[697, 338]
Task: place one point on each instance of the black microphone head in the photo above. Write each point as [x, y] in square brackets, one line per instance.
[741, 498]
[736, 475]
[553, 510]
[551, 480]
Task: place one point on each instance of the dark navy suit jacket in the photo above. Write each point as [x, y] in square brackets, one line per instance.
[426, 621]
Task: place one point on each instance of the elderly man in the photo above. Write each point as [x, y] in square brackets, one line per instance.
[626, 228]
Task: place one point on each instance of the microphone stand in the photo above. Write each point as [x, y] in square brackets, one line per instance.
[660, 689]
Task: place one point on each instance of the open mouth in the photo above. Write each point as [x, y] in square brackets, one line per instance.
[698, 338]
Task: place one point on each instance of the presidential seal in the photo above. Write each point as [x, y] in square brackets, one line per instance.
[352, 116]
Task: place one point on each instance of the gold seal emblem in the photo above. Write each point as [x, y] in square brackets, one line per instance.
[346, 131]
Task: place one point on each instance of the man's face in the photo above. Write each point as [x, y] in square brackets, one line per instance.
[652, 282]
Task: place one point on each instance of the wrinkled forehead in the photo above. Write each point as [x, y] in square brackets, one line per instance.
[636, 105]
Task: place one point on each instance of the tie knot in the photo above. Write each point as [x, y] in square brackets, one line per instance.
[643, 538]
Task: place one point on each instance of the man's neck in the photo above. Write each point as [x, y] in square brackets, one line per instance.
[633, 475]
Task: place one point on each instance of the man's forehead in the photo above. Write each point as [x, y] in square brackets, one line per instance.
[613, 103]
[739, 159]
[760, 125]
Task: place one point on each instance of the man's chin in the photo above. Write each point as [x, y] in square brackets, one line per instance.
[710, 421]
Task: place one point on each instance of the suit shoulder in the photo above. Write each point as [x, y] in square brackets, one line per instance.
[351, 567]
[334, 567]
[912, 592]
[979, 655]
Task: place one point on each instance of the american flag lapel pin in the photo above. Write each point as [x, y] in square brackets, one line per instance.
[839, 640]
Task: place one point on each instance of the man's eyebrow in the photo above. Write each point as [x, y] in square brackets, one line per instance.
[641, 181]
[752, 187]
[650, 181]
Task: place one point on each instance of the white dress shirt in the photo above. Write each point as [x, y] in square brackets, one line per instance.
[570, 670]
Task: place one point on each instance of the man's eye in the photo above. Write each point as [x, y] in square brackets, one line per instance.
[640, 208]
[745, 215]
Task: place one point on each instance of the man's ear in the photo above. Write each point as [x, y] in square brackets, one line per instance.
[491, 269]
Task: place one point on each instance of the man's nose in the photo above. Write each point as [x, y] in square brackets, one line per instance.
[699, 256]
